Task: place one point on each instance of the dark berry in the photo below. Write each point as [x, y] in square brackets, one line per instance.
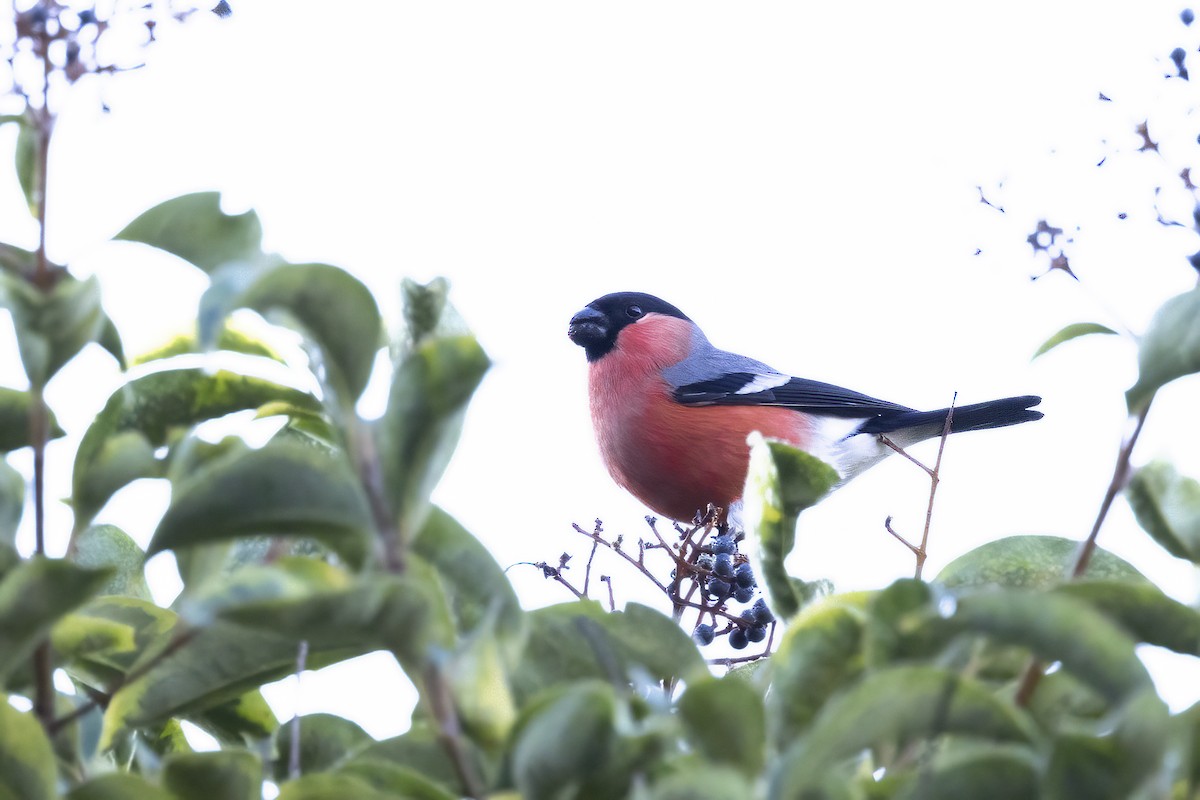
[705, 562]
[762, 614]
[737, 639]
[757, 633]
[723, 544]
[719, 589]
[222, 9]
[703, 634]
[745, 575]
[1187, 16]
[87, 16]
[743, 594]
[723, 565]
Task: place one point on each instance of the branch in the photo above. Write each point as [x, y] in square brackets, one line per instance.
[450, 733]
[1034, 670]
[180, 639]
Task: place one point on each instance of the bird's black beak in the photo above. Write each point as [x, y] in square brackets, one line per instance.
[588, 328]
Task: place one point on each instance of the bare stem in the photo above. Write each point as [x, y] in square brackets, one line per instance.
[1034, 670]
[437, 692]
[294, 745]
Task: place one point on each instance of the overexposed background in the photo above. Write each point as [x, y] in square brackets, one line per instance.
[802, 181]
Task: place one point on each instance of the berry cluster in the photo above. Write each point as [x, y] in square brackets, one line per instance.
[724, 575]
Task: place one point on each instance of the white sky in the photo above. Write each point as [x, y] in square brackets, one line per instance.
[801, 181]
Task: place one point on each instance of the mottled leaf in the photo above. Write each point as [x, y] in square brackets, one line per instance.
[27, 770]
[725, 722]
[336, 310]
[14, 419]
[1167, 506]
[1030, 562]
[821, 653]
[892, 707]
[230, 339]
[1073, 331]
[195, 228]
[52, 326]
[33, 596]
[1143, 611]
[564, 740]
[229, 775]
[140, 416]
[781, 483]
[285, 489]
[107, 546]
[420, 429]
[1169, 349]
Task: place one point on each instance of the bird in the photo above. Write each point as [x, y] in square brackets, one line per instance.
[672, 413]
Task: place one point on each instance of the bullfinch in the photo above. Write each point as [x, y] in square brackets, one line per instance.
[672, 413]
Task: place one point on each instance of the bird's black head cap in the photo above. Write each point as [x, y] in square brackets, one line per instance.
[595, 328]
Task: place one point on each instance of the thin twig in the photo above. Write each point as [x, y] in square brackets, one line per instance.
[934, 480]
[180, 639]
[587, 571]
[1034, 670]
[294, 745]
[612, 602]
[639, 566]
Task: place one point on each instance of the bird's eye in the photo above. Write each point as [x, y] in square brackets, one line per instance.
[633, 312]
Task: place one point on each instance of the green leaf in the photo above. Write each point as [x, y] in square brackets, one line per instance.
[140, 416]
[900, 624]
[330, 787]
[27, 770]
[118, 786]
[107, 546]
[1167, 506]
[482, 691]
[821, 653]
[701, 781]
[326, 740]
[420, 429]
[285, 488]
[979, 772]
[110, 340]
[782, 481]
[12, 502]
[336, 310]
[893, 706]
[476, 585]
[394, 780]
[14, 420]
[229, 775]
[52, 326]
[1030, 562]
[1169, 349]
[195, 228]
[1110, 766]
[1143, 611]
[725, 722]
[655, 642]
[404, 614]
[577, 640]
[1059, 628]
[419, 750]
[1073, 331]
[563, 740]
[239, 722]
[230, 339]
[221, 662]
[424, 305]
[102, 641]
[26, 158]
[33, 596]
[17, 261]
[286, 579]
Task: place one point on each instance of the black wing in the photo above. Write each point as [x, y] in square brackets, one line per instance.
[757, 389]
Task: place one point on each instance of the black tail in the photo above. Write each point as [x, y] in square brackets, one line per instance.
[976, 417]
